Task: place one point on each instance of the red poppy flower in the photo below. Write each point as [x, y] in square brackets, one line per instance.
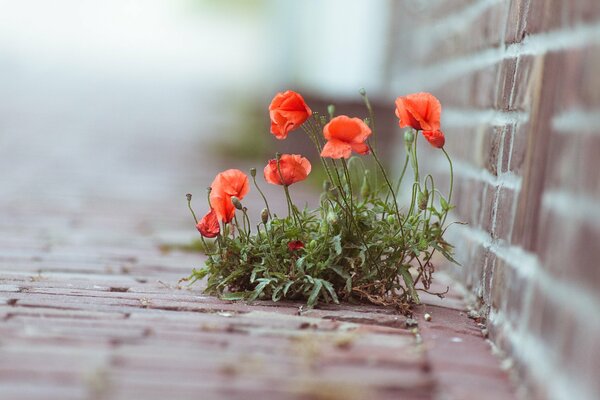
[209, 225]
[436, 138]
[294, 168]
[345, 134]
[420, 111]
[295, 245]
[227, 184]
[287, 111]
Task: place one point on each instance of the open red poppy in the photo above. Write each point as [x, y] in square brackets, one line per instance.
[294, 168]
[227, 184]
[421, 111]
[344, 135]
[209, 225]
[287, 111]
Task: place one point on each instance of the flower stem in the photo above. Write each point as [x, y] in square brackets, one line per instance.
[451, 184]
[263, 196]
[189, 203]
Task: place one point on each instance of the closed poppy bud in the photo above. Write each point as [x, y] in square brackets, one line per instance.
[253, 172]
[423, 199]
[409, 137]
[287, 112]
[365, 189]
[292, 168]
[345, 135]
[331, 110]
[421, 111]
[236, 203]
[332, 217]
[209, 225]
[334, 193]
[264, 216]
[295, 245]
[391, 219]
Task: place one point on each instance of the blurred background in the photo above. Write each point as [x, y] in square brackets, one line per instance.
[130, 100]
[110, 111]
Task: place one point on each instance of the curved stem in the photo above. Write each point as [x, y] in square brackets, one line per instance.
[189, 202]
[451, 175]
[263, 196]
[451, 185]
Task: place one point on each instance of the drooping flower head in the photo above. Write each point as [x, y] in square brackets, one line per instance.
[208, 226]
[344, 135]
[435, 138]
[421, 111]
[287, 111]
[227, 184]
[294, 168]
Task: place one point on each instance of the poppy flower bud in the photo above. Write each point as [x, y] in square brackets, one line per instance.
[236, 203]
[365, 189]
[189, 197]
[332, 217]
[323, 228]
[333, 193]
[253, 172]
[409, 137]
[331, 110]
[264, 215]
[390, 219]
[362, 92]
[423, 199]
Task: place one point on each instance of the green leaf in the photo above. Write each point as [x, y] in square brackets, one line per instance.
[336, 241]
[410, 285]
[312, 299]
[331, 291]
[263, 283]
[287, 287]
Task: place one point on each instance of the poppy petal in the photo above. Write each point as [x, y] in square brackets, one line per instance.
[336, 149]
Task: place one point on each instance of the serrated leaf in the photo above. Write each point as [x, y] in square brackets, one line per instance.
[336, 241]
[259, 288]
[329, 287]
[287, 287]
[312, 299]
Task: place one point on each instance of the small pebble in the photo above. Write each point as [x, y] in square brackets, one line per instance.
[410, 322]
[427, 317]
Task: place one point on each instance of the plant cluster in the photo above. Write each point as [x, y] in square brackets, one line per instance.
[358, 245]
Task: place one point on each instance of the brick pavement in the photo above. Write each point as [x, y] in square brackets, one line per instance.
[90, 306]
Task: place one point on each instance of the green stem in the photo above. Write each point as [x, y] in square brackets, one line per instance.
[451, 175]
[451, 184]
[262, 195]
[189, 202]
[348, 181]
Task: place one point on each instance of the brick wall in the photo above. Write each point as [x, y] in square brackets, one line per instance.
[519, 81]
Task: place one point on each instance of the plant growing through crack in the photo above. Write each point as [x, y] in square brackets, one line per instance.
[359, 244]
